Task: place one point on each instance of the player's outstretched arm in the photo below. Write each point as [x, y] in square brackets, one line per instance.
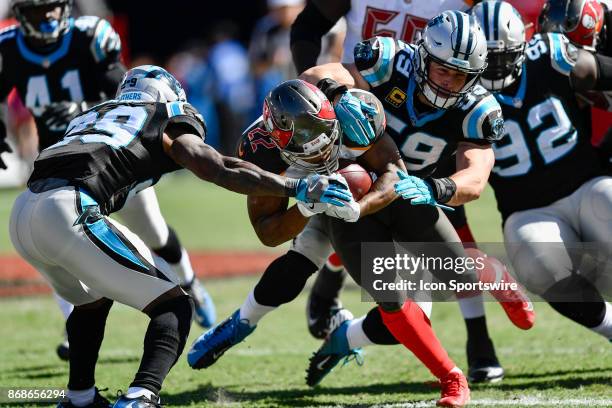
[591, 72]
[190, 151]
[231, 173]
[345, 74]
[474, 164]
[384, 159]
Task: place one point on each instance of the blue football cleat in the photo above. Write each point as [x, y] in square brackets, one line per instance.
[205, 313]
[334, 349]
[207, 348]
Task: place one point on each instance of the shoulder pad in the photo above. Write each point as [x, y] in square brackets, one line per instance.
[183, 112]
[562, 53]
[374, 58]
[105, 42]
[483, 121]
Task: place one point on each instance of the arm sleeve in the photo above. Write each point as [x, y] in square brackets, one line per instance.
[317, 18]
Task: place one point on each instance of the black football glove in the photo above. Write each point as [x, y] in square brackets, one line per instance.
[4, 147]
[58, 115]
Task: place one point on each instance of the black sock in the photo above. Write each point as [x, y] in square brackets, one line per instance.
[328, 283]
[283, 279]
[85, 328]
[376, 330]
[172, 251]
[479, 345]
[577, 299]
[164, 342]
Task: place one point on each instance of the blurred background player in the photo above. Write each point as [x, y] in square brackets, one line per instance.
[405, 21]
[551, 190]
[60, 66]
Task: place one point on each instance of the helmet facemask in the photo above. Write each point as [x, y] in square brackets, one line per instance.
[435, 93]
[46, 32]
[504, 67]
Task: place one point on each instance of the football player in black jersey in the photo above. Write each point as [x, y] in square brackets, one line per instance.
[59, 65]
[553, 193]
[60, 224]
[307, 113]
[412, 81]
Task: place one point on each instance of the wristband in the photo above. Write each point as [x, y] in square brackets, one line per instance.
[331, 88]
[444, 188]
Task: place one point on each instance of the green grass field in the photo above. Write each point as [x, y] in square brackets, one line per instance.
[555, 364]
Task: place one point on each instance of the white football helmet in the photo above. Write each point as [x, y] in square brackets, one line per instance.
[150, 83]
[455, 40]
[505, 32]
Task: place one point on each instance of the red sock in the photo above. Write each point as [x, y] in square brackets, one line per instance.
[411, 327]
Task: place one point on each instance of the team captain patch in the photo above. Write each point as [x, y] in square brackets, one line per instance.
[396, 97]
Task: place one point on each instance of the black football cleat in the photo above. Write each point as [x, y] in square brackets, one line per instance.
[98, 402]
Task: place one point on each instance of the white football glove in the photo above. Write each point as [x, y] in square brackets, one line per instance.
[349, 213]
[310, 209]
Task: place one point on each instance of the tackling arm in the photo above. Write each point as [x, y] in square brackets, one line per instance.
[474, 164]
[385, 160]
[236, 175]
[345, 74]
[591, 72]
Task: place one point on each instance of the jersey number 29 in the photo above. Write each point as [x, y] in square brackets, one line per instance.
[116, 128]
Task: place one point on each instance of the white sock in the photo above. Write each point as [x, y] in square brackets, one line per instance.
[183, 268]
[64, 306]
[81, 398]
[471, 307]
[253, 311]
[605, 328]
[355, 334]
[135, 392]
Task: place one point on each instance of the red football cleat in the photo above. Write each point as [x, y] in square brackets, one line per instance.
[515, 303]
[455, 390]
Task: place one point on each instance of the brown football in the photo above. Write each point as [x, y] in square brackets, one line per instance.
[358, 179]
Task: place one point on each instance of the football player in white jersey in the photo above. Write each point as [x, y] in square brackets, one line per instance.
[402, 20]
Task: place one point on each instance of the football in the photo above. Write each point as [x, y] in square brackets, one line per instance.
[358, 179]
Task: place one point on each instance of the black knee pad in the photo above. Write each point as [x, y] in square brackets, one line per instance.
[171, 252]
[284, 279]
[577, 299]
